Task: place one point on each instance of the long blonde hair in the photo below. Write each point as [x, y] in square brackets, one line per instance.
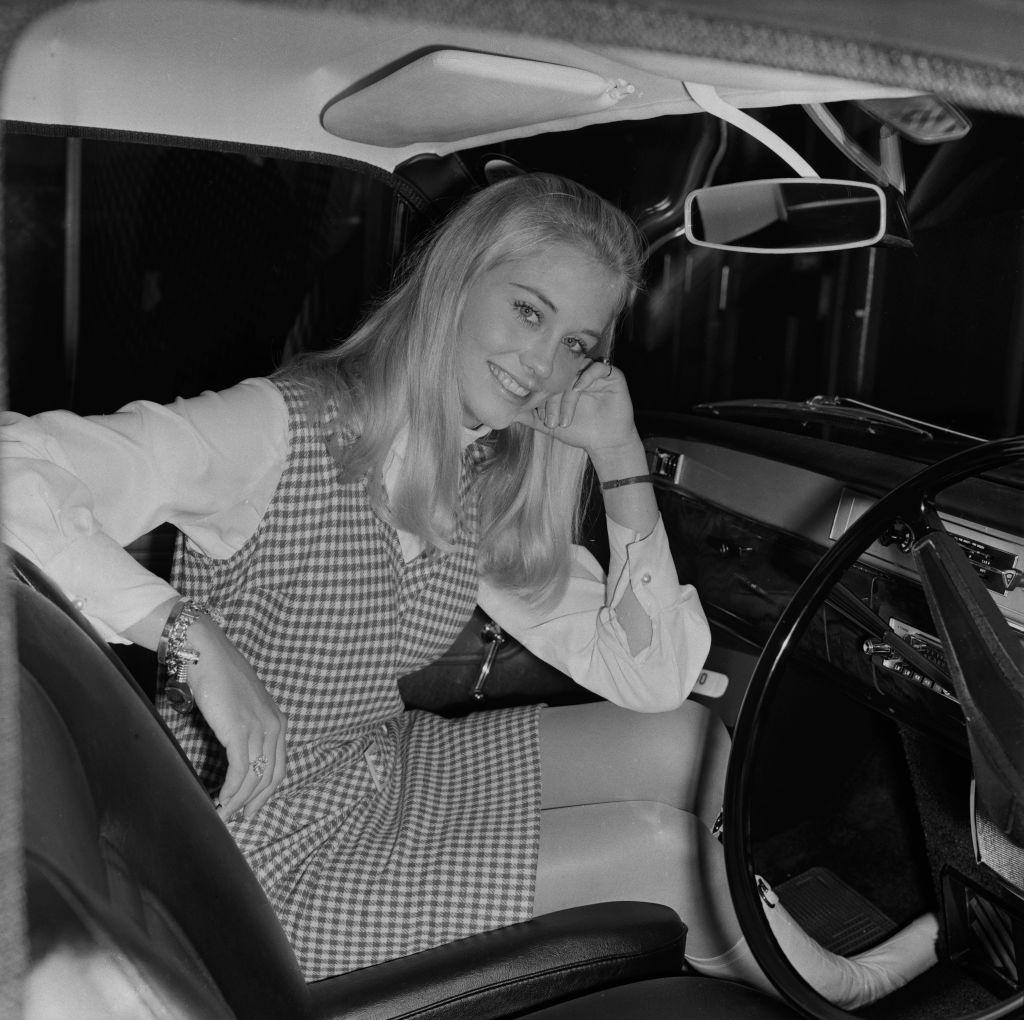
[399, 369]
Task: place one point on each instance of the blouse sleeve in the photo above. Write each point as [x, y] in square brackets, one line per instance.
[581, 634]
[76, 490]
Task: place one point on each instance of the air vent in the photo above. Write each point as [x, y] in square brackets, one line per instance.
[985, 932]
[992, 932]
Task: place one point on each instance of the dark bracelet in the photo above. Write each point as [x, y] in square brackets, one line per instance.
[634, 480]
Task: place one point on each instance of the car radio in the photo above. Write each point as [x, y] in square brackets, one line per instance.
[997, 568]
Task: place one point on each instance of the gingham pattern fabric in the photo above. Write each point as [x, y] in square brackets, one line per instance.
[394, 831]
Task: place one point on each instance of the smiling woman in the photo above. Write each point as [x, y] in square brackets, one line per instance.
[339, 523]
[305, 585]
[458, 343]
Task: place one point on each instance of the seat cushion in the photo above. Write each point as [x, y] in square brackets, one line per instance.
[510, 970]
[673, 998]
[87, 960]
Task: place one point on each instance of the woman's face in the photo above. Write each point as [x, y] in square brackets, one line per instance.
[528, 327]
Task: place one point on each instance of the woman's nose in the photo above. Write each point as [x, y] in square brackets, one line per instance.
[539, 358]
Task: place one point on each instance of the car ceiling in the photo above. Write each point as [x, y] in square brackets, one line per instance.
[382, 81]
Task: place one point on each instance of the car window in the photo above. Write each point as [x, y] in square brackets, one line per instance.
[154, 271]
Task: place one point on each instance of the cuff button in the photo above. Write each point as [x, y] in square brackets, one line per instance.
[646, 579]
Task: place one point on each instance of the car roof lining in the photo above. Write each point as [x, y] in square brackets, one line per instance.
[266, 74]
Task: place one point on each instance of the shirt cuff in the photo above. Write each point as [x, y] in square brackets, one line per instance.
[111, 589]
[645, 565]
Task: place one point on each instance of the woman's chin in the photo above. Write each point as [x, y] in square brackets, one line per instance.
[496, 418]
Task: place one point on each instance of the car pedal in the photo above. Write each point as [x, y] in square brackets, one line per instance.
[833, 913]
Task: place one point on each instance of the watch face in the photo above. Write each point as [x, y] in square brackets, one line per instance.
[179, 694]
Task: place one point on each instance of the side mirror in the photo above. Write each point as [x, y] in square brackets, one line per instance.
[786, 215]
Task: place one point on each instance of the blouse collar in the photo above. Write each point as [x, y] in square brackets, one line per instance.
[470, 436]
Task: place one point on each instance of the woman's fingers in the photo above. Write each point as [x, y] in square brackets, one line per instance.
[252, 777]
[551, 412]
[594, 413]
[255, 770]
[588, 380]
[244, 718]
[270, 770]
[560, 408]
[567, 406]
[595, 371]
[239, 782]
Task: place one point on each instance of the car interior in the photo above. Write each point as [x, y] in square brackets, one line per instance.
[827, 367]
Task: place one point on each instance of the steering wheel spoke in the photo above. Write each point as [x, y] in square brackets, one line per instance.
[986, 661]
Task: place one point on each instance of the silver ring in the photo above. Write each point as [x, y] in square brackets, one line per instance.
[259, 765]
[608, 362]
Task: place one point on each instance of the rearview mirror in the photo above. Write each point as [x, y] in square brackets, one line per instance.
[786, 215]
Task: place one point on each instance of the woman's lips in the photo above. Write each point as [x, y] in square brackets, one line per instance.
[509, 383]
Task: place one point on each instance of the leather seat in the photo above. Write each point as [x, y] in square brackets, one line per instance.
[672, 998]
[128, 864]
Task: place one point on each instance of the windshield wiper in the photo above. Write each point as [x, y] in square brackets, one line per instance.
[827, 410]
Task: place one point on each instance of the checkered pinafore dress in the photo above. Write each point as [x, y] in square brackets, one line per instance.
[394, 831]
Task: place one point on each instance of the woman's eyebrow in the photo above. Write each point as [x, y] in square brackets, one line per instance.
[545, 300]
[539, 295]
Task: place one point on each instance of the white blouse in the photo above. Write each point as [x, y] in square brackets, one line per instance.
[77, 490]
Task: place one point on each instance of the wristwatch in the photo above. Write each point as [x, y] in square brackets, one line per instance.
[175, 655]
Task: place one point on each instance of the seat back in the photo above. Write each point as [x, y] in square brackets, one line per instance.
[120, 837]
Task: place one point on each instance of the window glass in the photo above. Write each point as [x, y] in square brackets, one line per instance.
[139, 270]
[934, 332]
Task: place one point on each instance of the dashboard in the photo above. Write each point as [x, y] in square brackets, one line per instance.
[747, 529]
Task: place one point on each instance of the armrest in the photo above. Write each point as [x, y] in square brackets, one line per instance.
[523, 966]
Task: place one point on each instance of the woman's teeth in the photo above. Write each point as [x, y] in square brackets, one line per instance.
[509, 382]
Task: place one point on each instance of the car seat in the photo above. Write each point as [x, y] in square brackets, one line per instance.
[132, 875]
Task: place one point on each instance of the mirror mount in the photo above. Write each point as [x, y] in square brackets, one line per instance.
[756, 216]
[885, 171]
[897, 220]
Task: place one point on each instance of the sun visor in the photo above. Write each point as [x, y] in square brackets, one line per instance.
[447, 95]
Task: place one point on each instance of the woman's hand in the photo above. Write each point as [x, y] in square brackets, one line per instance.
[595, 413]
[242, 715]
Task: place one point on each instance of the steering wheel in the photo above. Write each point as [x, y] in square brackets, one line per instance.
[973, 632]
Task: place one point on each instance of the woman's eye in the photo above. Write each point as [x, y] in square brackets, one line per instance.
[576, 345]
[527, 313]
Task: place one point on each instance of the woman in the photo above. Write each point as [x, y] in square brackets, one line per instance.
[340, 521]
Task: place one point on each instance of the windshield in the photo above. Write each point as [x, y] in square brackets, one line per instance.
[933, 332]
